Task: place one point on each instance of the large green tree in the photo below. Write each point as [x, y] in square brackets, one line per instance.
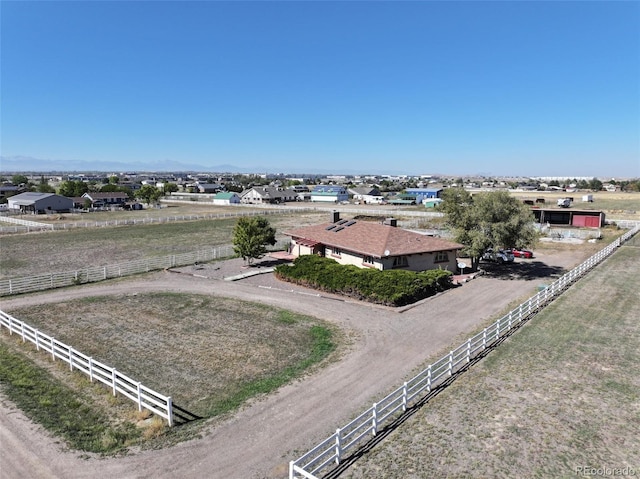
[44, 186]
[251, 237]
[149, 194]
[73, 188]
[487, 220]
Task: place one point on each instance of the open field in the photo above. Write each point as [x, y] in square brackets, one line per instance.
[618, 204]
[257, 441]
[166, 210]
[209, 354]
[560, 394]
[53, 251]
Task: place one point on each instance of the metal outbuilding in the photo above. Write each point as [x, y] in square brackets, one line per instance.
[37, 203]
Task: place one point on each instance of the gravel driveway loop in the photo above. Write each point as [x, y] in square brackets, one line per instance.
[258, 442]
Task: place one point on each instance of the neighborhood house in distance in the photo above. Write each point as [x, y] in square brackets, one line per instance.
[374, 245]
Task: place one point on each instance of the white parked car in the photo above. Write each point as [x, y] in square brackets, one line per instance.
[499, 256]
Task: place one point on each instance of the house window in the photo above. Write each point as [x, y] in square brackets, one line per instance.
[337, 252]
[368, 260]
[400, 262]
[441, 257]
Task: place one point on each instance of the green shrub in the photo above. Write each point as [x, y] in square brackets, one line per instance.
[393, 288]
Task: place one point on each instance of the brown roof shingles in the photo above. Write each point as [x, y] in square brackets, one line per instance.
[373, 239]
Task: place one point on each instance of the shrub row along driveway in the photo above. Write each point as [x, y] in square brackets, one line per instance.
[386, 346]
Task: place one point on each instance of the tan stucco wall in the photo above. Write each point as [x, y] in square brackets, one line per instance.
[418, 262]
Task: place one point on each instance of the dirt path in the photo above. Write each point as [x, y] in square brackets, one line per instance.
[259, 441]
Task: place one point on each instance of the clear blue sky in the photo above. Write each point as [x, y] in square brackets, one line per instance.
[500, 88]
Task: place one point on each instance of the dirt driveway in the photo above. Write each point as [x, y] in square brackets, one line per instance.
[387, 345]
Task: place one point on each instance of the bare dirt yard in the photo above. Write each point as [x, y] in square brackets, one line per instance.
[384, 347]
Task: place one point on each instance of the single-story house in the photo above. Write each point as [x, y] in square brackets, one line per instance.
[367, 244]
[36, 203]
[226, 198]
[10, 190]
[267, 195]
[329, 194]
[367, 195]
[209, 187]
[115, 198]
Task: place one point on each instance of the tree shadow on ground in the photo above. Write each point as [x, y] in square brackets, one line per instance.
[267, 263]
[521, 270]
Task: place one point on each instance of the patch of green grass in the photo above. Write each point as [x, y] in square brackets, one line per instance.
[321, 346]
[59, 409]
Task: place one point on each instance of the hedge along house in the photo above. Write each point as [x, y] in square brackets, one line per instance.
[381, 246]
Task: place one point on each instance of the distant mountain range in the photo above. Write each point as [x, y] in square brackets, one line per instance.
[30, 164]
[24, 164]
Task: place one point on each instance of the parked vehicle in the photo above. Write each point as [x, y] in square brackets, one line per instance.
[499, 256]
[521, 253]
[564, 202]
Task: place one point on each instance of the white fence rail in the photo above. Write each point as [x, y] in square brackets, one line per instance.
[26, 223]
[143, 396]
[333, 449]
[25, 226]
[100, 273]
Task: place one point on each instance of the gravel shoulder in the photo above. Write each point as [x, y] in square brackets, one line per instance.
[386, 346]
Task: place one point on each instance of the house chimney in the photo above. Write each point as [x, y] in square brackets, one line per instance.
[335, 216]
[391, 222]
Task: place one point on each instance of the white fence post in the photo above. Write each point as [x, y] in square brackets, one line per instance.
[113, 379]
[484, 339]
[170, 411]
[429, 379]
[139, 396]
[91, 369]
[53, 349]
[70, 358]
[374, 419]
[22, 329]
[338, 446]
[468, 350]
[404, 397]
[37, 340]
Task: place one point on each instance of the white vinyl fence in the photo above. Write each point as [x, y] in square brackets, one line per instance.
[143, 396]
[334, 449]
[25, 226]
[100, 273]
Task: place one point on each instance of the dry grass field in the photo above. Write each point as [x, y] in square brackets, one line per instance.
[210, 354]
[68, 250]
[561, 394]
[615, 204]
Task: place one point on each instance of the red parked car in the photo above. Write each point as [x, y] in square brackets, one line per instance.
[521, 253]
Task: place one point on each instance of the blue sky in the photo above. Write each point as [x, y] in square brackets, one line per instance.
[497, 88]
